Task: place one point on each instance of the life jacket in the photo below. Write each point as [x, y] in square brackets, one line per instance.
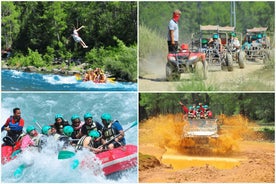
[59, 127]
[92, 143]
[14, 133]
[93, 126]
[37, 140]
[109, 132]
[79, 145]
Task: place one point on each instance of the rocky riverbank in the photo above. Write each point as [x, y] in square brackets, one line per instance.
[56, 69]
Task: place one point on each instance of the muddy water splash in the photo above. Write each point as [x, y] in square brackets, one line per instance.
[163, 135]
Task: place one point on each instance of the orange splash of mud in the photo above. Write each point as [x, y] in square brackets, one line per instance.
[165, 132]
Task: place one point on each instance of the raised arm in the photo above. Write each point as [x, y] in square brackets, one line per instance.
[80, 28]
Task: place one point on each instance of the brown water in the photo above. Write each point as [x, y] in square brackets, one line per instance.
[165, 132]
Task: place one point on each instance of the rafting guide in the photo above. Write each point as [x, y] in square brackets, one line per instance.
[77, 38]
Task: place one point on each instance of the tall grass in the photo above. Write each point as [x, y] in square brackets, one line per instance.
[150, 43]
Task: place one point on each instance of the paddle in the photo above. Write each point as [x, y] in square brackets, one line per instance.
[111, 140]
[37, 123]
[18, 172]
[64, 154]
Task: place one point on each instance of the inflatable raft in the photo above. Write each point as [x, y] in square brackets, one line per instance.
[118, 159]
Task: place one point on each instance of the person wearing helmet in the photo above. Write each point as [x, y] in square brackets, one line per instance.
[234, 42]
[31, 138]
[185, 110]
[113, 133]
[67, 131]
[201, 110]
[92, 141]
[173, 33]
[46, 130]
[14, 125]
[60, 123]
[192, 112]
[76, 124]
[89, 124]
[215, 42]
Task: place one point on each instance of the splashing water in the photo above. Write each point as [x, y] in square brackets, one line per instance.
[45, 167]
[164, 135]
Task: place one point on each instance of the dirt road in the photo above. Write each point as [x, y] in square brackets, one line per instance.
[252, 78]
[162, 158]
[256, 164]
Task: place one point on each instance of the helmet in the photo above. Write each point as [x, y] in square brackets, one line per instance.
[205, 106]
[75, 116]
[233, 34]
[68, 130]
[58, 116]
[106, 116]
[94, 134]
[204, 41]
[30, 128]
[215, 36]
[197, 107]
[87, 115]
[45, 129]
[259, 36]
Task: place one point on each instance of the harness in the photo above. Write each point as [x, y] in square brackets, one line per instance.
[109, 133]
[80, 143]
[93, 126]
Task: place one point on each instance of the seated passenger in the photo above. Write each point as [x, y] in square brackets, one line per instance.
[234, 42]
[32, 138]
[113, 133]
[92, 142]
[215, 42]
[60, 123]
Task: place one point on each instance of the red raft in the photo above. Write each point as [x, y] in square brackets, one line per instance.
[9, 152]
[118, 159]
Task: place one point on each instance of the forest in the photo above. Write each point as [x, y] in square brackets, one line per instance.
[40, 31]
[255, 106]
[249, 14]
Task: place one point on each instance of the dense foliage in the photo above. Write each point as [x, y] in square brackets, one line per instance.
[45, 27]
[248, 15]
[256, 106]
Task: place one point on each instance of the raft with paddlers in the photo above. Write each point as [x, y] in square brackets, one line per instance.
[115, 160]
[79, 78]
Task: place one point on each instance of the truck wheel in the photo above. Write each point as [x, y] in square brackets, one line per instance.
[229, 62]
[241, 59]
[171, 73]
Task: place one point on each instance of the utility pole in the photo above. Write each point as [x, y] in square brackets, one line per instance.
[233, 14]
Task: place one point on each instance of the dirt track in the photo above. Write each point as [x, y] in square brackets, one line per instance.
[251, 78]
[163, 158]
[256, 165]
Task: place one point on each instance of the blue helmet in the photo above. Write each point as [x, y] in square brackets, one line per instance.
[107, 117]
[87, 115]
[45, 129]
[68, 130]
[94, 134]
[58, 116]
[75, 116]
[30, 128]
[215, 36]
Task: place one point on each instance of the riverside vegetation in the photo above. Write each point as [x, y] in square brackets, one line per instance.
[39, 34]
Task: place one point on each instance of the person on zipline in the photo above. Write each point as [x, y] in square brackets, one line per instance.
[77, 38]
